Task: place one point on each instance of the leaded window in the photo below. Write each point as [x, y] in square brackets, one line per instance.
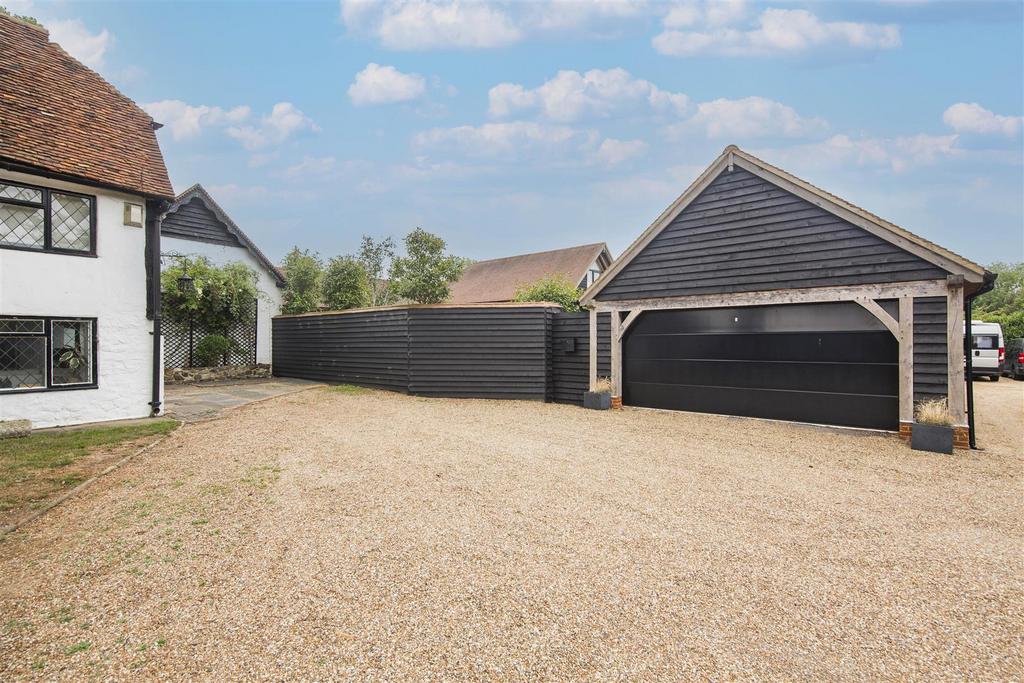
[38, 353]
[46, 220]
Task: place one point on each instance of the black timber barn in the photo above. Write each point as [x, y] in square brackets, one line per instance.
[758, 294]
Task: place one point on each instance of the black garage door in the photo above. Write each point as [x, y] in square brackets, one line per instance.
[829, 363]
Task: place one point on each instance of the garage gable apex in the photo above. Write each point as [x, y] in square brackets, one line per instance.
[740, 198]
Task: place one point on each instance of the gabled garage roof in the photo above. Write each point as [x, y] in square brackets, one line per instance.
[734, 156]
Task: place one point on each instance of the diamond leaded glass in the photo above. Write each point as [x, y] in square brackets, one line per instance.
[22, 326]
[25, 194]
[22, 362]
[21, 226]
[70, 219]
[72, 352]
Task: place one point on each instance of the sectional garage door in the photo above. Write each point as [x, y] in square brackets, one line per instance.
[831, 363]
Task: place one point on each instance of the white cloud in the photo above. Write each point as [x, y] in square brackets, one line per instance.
[749, 117]
[613, 152]
[284, 121]
[187, 121]
[378, 84]
[72, 35]
[497, 140]
[570, 96]
[779, 31]
[896, 154]
[973, 118]
[426, 25]
[471, 24]
[311, 166]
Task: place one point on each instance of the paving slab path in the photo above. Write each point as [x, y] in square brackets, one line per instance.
[201, 401]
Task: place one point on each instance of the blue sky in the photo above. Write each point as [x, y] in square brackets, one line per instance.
[513, 127]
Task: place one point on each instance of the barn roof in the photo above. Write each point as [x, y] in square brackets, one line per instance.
[497, 279]
[59, 116]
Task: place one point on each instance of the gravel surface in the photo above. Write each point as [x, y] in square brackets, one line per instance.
[329, 535]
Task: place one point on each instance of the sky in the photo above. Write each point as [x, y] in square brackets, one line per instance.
[511, 127]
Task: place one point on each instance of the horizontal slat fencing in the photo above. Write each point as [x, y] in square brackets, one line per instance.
[369, 349]
[570, 354]
[470, 352]
[499, 352]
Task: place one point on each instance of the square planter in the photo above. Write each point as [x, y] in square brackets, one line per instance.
[933, 438]
[597, 400]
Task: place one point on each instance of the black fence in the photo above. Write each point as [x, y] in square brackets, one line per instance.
[532, 352]
[181, 339]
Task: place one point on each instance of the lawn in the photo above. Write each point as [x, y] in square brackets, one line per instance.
[37, 467]
[367, 535]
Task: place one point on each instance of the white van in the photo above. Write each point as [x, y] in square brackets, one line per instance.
[987, 350]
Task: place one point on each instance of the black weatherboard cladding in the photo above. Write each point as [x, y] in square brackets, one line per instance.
[369, 349]
[490, 352]
[831, 363]
[193, 221]
[744, 234]
[499, 352]
[570, 354]
[930, 348]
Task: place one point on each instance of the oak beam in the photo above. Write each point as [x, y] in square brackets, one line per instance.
[955, 331]
[782, 296]
[633, 315]
[616, 355]
[906, 359]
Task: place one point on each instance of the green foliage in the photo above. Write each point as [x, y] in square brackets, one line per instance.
[555, 289]
[22, 17]
[1005, 303]
[375, 257]
[345, 284]
[211, 349]
[423, 275]
[305, 273]
[220, 296]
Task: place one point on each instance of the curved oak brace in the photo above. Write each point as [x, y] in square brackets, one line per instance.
[883, 316]
[633, 315]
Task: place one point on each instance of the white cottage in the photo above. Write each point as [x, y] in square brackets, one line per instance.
[82, 184]
[196, 226]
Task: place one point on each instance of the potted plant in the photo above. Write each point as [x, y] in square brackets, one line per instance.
[600, 395]
[933, 427]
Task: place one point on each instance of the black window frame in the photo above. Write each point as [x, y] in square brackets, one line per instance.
[47, 334]
[46, 205]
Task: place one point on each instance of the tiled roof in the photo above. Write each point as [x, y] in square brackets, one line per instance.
[498, 279]
[60, 116]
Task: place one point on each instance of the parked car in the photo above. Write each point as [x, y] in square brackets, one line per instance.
[987, 349]
[1013, 366]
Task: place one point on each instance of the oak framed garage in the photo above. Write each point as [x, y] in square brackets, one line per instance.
[756, 293]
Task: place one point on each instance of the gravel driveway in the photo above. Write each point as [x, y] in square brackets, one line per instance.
[377, 536]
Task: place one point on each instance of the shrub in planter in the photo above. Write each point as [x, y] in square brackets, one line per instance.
[933, 428]
[601, 396]
[211, 349]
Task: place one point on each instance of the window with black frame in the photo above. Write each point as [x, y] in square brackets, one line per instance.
[41, 219]
[47, 353]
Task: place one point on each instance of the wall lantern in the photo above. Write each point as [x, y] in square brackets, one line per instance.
[185, 282]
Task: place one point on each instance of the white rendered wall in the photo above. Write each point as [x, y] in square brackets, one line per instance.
[110, 288]
[222, 254]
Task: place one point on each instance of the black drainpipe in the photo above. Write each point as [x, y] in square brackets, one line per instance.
[987, 284]
[154, 208]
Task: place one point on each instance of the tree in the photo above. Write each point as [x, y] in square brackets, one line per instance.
[303, 271]
[23, 17]
[376, 257]
[424, 273]
[1005, 303]
[555, 289]
[345, 284]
